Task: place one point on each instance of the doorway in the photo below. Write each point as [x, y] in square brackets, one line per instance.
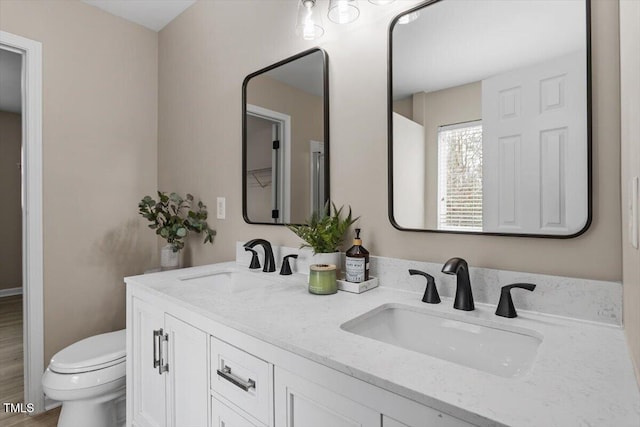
[11, 301]
[316, 159]
[269, 166]
[28, 54]
[10, 174]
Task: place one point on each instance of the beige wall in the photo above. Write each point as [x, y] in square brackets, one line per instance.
[99, 159]
[11, 212]
[432, 110]
[306, 111]
[203, 58]
[630, 126]
[404, 107]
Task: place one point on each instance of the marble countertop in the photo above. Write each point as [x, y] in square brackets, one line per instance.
[582, 374]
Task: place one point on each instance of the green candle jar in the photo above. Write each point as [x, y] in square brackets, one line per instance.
[322, 279]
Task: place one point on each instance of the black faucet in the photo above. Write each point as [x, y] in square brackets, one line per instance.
[285, 269]
[269, 262]
[464, 297]
[431, 292]
[505, 306]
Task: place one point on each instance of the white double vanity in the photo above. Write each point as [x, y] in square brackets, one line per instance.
[222, 345]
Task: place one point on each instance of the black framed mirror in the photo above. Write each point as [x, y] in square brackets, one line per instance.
[285, 140]
[489, 111]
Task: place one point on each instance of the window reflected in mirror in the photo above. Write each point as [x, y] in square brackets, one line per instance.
[460, 177]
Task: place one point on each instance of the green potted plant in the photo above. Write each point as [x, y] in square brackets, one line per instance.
[324, 234]
[173, 219]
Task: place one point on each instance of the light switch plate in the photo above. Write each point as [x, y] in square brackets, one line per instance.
[221, 210]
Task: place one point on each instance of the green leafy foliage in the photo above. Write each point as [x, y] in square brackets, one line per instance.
[172, 218]
[324, 233]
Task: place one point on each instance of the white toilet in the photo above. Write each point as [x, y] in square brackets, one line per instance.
[88, 377]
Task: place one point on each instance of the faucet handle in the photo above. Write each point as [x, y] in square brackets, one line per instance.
[255, 261]
[285, 270]
[431, 292]
[505, 305]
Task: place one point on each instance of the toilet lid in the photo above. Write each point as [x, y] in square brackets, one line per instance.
[90, 354]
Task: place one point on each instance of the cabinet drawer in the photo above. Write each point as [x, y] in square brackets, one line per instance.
[223, 416]
[242, 379]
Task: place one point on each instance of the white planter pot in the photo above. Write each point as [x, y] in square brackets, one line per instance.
[169, 260]
[334, 258]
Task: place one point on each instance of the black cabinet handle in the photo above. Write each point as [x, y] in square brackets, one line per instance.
[505, 305]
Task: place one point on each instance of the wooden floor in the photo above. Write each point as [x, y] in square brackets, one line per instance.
[11, 369]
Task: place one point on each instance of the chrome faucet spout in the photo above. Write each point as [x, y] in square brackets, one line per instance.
[464, 296]
[269, 261]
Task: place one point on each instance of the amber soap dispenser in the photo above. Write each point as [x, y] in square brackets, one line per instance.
[357, 261]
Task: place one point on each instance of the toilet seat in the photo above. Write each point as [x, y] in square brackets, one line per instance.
[91, 354]
[79, 369]
[53, 381]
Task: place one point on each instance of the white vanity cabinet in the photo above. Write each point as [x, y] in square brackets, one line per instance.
[299, 402]
[186, 370]
[320, 397]
[241, 381]
[167, 376]
[223, 416]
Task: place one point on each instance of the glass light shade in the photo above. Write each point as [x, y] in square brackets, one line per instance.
[381, 2]
[309, 22]
[409, 17]
[343, 11]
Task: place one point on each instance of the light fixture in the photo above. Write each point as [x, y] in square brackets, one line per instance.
[343, 11]
[381, 2]
[309, 22]
[409, 17]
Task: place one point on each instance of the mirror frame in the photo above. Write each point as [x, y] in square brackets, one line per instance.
[325, 102]
[424, 5]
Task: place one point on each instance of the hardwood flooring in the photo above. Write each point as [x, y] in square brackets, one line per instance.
[11, 368]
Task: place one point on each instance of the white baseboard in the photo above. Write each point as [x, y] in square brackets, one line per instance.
[10, 292]
[49, 404]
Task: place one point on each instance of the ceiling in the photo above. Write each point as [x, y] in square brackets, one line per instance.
[153, 14]
[10, 81]
[458, 42]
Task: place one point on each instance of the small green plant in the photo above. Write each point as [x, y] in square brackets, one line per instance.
[324, 233]
[172, 218]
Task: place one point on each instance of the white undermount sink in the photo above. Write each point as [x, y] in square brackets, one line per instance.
[488, 348]
[229, 281]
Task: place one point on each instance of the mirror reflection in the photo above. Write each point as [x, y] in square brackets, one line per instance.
[285, 140]
[489, 130]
